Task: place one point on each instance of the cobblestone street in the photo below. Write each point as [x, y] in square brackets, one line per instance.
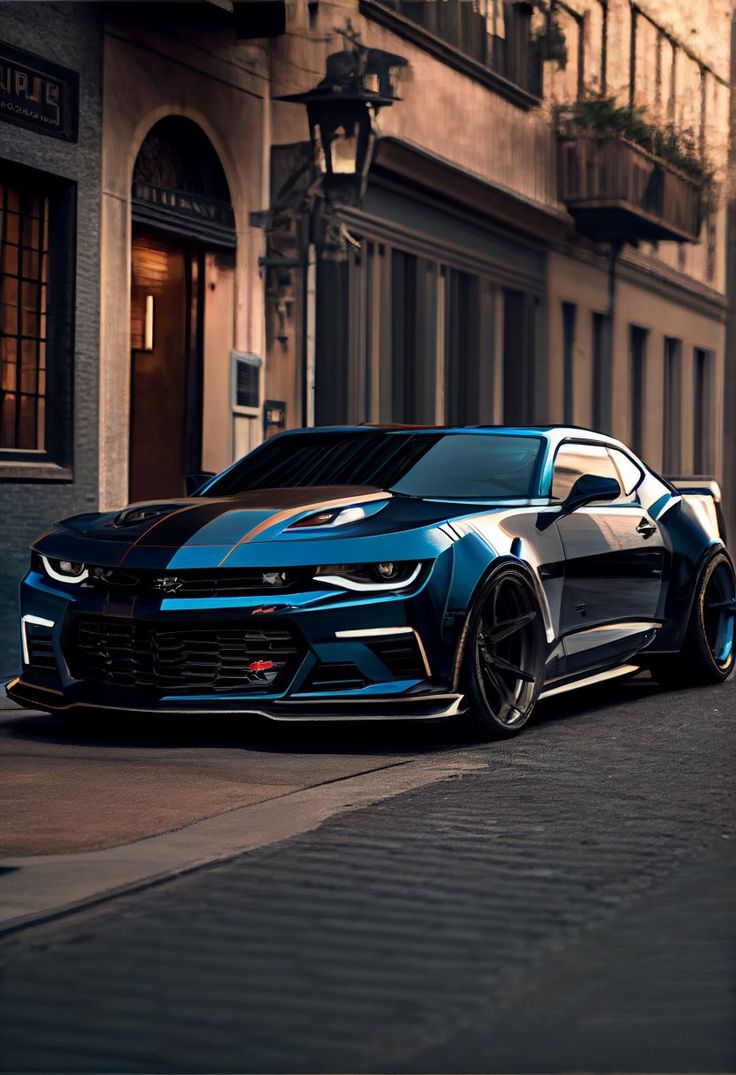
[565, 905]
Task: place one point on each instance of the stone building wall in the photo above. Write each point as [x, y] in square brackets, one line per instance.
[69, 34]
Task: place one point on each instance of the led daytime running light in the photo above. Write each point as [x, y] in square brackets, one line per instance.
[368, 587]
[60, 576]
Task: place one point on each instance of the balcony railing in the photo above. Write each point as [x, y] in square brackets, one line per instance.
[617, 190]
[494, 33]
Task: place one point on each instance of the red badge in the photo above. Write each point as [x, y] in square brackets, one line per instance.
[260, 666]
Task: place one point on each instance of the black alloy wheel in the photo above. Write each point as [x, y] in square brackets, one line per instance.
[504, 654]
[708, 654]
[719, 615]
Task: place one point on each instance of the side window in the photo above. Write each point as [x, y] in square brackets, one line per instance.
[574, 460]
[629, 474]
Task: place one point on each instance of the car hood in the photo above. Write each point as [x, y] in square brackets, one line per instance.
[243, 529]
[214, 520]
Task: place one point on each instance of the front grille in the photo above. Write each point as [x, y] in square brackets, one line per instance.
[401, 656]
[182, 657]
[220, 582]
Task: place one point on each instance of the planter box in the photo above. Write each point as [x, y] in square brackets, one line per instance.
[617, 190]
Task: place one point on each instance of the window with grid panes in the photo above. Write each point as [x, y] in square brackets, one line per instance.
[495, 33]
[24, 232]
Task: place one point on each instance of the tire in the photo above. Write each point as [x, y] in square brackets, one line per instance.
[708, 652]
[503, 659]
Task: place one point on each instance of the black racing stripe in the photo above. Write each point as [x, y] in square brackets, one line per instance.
[176, 529]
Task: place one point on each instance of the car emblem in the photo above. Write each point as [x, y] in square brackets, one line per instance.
[167, 584]
[260, 666]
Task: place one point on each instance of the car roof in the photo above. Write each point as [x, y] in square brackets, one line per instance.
[551, 433]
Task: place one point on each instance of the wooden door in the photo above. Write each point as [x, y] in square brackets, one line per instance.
[160, 334]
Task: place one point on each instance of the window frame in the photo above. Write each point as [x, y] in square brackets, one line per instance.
[625, 500]
[449, 53]
[637, 466]
[639, 359]
[703, 409]
[53, 462]
[572, 443]
[245, 358]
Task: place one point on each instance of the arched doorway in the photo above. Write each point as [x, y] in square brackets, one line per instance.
[183, 236]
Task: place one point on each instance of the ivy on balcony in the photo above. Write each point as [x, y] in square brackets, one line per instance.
[624, 176]
[603, 115]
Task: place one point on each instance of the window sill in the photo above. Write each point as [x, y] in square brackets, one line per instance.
[16, 470]
[450, 55]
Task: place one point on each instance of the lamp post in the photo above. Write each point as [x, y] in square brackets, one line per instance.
[341, 111]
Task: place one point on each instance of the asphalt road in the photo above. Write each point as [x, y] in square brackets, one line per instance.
[563, 901]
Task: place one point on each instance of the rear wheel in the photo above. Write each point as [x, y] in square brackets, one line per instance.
[708, 653]
[504, 654]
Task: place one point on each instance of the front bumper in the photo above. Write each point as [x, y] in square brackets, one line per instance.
[335, 632]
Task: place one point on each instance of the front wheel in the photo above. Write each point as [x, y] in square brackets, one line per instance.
[503, 661]
[708, 653]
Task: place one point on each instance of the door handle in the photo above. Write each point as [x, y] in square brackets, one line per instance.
[645, 528]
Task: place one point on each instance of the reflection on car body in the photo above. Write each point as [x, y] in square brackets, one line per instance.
[384, 573]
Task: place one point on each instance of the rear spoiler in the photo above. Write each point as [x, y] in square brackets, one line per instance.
[703, 494]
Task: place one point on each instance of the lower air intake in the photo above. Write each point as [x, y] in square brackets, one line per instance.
[402, 656]
[334, 676]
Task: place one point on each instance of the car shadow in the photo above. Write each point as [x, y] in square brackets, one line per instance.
[402, 738]
[602, 696]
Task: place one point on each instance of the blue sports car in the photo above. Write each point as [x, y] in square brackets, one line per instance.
[384, 573]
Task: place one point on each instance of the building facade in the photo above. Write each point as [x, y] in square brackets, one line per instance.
[132, 298]
[482, 291]
[163, 310]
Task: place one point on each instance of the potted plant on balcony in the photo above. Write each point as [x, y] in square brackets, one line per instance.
[625, 176]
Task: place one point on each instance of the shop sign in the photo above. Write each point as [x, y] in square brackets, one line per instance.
[183, 205]
[37, 94]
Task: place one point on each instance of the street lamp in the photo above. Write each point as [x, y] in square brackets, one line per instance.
[342, 112]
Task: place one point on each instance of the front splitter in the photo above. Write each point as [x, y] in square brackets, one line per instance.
[399, 707]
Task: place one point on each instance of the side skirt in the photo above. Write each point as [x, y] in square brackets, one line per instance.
[590, 681]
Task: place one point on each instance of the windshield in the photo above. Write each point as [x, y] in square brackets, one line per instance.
[454, 466]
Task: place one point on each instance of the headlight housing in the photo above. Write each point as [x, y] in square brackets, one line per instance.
[68, 571]
[385, 575]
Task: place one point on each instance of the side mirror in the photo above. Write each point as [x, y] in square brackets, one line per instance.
[590, 487]
[193, 482]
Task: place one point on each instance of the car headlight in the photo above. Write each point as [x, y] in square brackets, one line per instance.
[70, 571]
[330, 517]
[386, 575]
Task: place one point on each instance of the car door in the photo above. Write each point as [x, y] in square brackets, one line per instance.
[614, 556]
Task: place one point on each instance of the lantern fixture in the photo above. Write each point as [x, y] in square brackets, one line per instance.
[342, 112]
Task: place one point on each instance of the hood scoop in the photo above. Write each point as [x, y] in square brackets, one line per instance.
[145, 513]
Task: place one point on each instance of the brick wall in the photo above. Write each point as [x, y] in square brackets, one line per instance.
[67, 34]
